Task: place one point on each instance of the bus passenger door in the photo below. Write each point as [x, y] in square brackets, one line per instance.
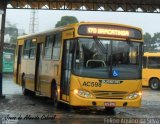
[19, 64]
[38, 66]
[144, 71]
[66, 71]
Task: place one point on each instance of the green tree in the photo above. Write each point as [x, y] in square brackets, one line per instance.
[151, 44]
[156, 40]
[148, 42]
[12, 31]
[66, 20]
[156, 37]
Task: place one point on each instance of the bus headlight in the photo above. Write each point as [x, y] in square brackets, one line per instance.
[83, 93]
[134, 95]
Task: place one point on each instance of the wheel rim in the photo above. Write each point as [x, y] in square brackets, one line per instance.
[154, 83]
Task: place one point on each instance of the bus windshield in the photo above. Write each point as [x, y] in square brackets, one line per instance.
[99, 58]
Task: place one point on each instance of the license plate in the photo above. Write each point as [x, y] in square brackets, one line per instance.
[110, 104]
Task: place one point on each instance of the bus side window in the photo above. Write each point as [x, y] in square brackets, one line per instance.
[153, 62]
[32, 50]
[26, 49]
[56, 47]
[48, 47]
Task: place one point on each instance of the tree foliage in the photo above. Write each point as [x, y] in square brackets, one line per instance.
[151, 44]
[66, 20]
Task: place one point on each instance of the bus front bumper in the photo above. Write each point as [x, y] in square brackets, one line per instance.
[76, 100]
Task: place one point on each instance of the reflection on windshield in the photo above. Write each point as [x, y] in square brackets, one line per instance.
[95, 57]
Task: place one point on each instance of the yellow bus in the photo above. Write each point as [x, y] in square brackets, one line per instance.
[87, 64]
[151, 70]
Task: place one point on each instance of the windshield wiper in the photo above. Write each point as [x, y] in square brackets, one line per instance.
[100, 45]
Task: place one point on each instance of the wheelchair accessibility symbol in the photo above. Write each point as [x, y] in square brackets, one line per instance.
[115, 73]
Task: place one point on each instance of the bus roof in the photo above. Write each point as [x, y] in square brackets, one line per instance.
[152, 54]
[69, 26]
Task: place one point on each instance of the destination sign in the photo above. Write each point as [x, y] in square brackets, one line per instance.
[109, 31]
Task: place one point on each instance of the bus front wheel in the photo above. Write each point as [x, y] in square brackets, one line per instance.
[24, 90]
[55, 96]
[154, 84]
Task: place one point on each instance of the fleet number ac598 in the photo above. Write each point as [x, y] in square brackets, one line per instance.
[92, 84]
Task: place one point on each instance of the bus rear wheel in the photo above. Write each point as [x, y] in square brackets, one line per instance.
[154, 84]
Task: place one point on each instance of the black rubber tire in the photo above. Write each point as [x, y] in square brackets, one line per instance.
[154, 84]
[54, 96]
[24, 90]
[110, 110]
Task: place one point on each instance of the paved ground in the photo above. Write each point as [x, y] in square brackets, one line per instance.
[16, 108]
